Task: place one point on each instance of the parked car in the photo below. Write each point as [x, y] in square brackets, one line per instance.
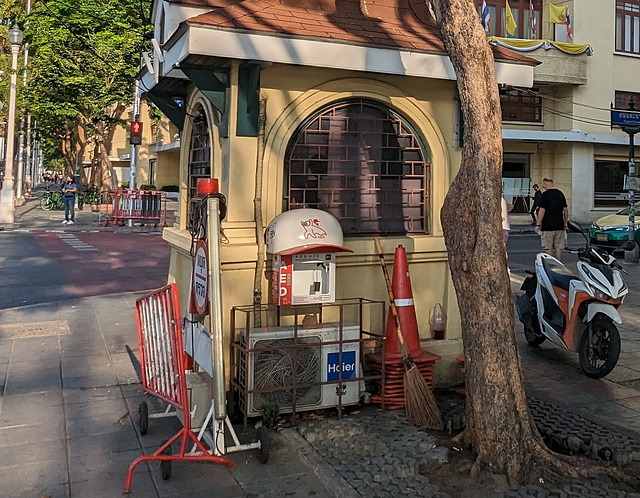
[612, 231]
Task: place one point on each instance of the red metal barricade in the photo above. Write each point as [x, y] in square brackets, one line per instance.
[139, 205]
[162, 359]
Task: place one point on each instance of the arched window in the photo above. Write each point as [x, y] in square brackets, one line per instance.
[199, 157]
[363, 163]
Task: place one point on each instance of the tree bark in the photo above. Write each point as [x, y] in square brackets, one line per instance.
[106, 177]
[499, 428]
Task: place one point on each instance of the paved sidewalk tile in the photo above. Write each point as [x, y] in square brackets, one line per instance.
[47, 477]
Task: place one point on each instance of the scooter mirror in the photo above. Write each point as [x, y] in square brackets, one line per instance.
[574, 226]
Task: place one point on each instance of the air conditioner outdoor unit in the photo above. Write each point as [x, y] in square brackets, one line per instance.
[316, 362]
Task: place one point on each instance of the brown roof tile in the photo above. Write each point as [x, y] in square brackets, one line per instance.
[405, 24]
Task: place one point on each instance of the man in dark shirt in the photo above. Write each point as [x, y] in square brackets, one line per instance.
[552, 219]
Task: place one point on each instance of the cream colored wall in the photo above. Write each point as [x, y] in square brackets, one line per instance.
[168, 168]
[120, 147]
[294, 93]
[594, 23]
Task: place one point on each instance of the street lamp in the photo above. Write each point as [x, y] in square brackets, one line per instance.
[7, 197]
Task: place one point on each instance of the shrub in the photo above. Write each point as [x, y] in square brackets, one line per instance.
[147, 187]
[170, 188]
[124, 184]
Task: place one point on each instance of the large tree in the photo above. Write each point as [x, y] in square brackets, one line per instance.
[499, 428]
[84, 58]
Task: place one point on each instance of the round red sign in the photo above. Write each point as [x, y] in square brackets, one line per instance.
[200, 277]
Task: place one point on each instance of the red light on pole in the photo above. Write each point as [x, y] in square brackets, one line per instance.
[135, 137]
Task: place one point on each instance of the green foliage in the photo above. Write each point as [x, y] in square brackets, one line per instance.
[55, 165]
[170, 188]
[147, 187]
[124, 185]
[270, 415]
[84, 55]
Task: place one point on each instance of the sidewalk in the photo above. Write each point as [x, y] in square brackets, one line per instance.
[70, 391]
[68, 414]
[31, 217]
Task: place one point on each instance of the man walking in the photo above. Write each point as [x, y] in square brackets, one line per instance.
[552, 219]
[69, 191]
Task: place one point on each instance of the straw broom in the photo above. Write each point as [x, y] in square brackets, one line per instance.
[420, 403]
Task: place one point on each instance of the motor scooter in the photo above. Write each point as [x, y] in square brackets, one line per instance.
[576, 312]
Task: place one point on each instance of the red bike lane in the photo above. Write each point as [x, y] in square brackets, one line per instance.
[107, 263]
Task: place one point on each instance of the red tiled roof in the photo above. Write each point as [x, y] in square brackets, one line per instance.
[403, 24]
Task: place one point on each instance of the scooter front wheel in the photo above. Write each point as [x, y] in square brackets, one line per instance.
[533, 337]
[600, 357]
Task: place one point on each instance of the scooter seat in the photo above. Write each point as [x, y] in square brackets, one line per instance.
[559, 275]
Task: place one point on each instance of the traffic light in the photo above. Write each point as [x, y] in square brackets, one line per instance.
[135, 137]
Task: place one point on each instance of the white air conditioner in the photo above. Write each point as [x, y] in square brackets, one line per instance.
[316, 362]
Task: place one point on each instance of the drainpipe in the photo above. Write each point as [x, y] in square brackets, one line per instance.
[257, 211]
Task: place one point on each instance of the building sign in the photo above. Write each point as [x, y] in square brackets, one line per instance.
[620, 117]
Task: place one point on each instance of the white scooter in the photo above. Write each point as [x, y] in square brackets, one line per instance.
[576, 312]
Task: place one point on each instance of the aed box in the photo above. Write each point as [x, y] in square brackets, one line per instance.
[303, 243]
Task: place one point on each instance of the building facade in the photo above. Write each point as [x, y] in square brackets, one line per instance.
[560, 127]
[361, 120]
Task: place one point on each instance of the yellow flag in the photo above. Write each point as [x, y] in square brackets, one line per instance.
[510, 22]
[558, 15]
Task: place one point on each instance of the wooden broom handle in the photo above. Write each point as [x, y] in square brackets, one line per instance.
[387, 280]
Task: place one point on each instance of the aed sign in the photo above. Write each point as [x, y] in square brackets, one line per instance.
[200, 277]
[348, 365]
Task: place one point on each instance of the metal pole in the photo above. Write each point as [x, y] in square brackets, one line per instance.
[27, 154]
[631, 256]
[215, 308]
[7, 194]
[20, 176]
[21, 158]
[134, 156]
[134, 148]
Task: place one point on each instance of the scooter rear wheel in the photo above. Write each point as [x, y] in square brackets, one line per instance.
[600, 359]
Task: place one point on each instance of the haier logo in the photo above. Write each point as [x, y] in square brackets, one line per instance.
[348, 365]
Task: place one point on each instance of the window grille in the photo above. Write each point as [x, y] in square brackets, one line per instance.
[520, 105]
[364, 164]
[199, 158]
[623, 99]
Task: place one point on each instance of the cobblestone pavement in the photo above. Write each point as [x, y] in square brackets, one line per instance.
[379, 453]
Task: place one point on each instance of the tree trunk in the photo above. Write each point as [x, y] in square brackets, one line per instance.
[106, 177]
[499, 426]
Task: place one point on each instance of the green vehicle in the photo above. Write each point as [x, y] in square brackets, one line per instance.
[612, 231]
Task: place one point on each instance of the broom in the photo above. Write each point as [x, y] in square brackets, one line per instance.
[419, 401]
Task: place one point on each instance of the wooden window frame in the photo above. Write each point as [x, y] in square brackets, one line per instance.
[627, 37]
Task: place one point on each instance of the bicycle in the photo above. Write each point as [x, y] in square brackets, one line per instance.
[51, 200]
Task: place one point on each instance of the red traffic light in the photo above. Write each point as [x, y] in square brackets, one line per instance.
[135, 137]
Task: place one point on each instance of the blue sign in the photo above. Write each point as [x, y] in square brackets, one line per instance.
[348, 365]
[625, 118]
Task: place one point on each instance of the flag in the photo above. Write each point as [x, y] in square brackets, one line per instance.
[486, 17]
[558, 15]
[510, 22]
[533, 20]
[569, 33]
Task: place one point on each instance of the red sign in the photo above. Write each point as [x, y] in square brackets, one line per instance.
[200, 277]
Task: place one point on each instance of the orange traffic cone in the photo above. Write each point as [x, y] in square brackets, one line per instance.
[403, 297]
